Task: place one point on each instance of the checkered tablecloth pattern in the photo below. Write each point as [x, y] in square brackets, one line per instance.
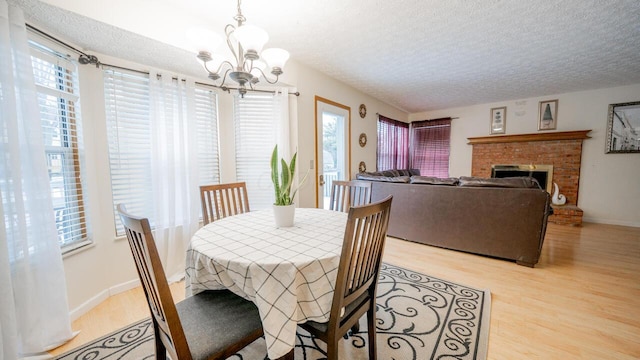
[289, 273]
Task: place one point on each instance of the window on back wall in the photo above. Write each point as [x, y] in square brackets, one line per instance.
[256, 125]
[422, 145]
[393, 144]
[56, 81]
[127, 105]
[429, 149]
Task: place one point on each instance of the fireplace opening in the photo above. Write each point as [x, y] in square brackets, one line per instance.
[542, 173]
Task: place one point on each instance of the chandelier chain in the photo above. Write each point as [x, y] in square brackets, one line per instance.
[239, 17]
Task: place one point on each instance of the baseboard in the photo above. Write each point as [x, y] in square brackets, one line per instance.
[611, 222]
[100, 297]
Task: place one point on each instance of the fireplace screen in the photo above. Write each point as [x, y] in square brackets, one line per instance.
[542, 173]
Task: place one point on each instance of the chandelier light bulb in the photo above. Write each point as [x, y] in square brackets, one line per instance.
[275, 58]
[252, 40]
[203, 40]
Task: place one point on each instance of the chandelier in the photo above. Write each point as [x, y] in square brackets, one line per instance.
[249, 60]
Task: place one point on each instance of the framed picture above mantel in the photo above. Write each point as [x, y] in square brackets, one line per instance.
[548, 115]
[498, 120]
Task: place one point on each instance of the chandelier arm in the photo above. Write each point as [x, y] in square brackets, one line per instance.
[266, 78]
[206, 67]
[250, 67]
[228, 30]
[225, 62]
[224, 78]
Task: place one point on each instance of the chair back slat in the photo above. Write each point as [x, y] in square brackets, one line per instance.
[155, 285]
[221, 200]
[361, 258]
[345, 194]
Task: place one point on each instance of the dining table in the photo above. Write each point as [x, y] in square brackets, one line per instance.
[288, 272]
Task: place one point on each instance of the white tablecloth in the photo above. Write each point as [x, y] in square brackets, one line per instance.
[289, 273]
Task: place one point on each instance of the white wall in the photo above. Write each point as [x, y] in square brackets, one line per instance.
[609, 189]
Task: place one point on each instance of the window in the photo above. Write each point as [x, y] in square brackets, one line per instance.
[127, 105]
[256, 118]
[56, 81]
[393, 144]
[128, 131]
[208, 152]
[430, 147]
[425, 147]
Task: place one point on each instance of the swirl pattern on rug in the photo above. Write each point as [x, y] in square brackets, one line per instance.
[418, 317]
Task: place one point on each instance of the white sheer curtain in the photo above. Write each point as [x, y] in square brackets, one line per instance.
[281, 113]
[174, 169]
[34, 313]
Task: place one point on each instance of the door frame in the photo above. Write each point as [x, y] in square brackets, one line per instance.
[319, 99]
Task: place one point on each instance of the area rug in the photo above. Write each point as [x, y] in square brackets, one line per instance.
[418, 317]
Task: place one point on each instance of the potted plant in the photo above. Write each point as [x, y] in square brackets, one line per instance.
[282, 176]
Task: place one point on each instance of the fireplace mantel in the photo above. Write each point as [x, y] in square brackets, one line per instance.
[546, 136]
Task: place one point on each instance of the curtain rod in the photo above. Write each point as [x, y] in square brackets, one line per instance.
[423, 120]
[85, 59]
[50, 37]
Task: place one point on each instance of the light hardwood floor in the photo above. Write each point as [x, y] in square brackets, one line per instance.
[582, 301]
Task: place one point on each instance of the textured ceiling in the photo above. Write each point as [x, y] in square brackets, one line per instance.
[417, 55]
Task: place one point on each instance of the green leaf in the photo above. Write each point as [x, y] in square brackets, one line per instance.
[274, 172]
[283, 178]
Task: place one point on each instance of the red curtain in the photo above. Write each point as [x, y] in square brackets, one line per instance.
[393, 144]
[430, 147]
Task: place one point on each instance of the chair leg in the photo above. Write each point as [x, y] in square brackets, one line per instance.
[332, 349]
[161, 351]
[356, 328]
[371, 330]
[288, 356]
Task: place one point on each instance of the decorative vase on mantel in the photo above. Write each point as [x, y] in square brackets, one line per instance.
[284, 215]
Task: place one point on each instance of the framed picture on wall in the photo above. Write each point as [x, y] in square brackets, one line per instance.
[623, 124]
[548, 115]
[498, 120]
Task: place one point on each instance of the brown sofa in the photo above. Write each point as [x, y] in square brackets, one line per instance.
[503, 218]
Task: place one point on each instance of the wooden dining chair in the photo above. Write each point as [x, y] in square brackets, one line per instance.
[345, 194]
[221, 200]
[357, 278]
[208, 325]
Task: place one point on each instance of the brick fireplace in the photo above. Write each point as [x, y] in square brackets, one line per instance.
[562, 150]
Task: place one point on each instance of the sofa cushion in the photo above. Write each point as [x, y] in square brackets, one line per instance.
[373, 177]
[507, 182]
[433, 180]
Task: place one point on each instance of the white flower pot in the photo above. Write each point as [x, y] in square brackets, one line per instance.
[283, 215]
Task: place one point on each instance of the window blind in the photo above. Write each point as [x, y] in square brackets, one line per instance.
[430, 147]
[56, 80]
[127, 105]
[393, 144]
[207, 121]
[256, 124]
[129, 139]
